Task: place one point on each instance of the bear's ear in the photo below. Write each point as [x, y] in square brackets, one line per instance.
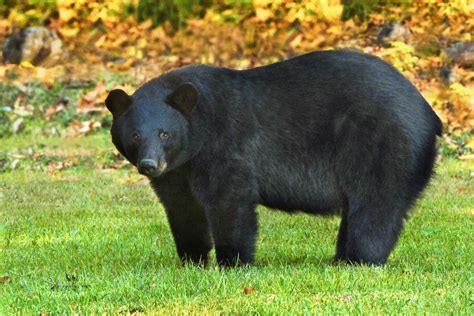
[118, 101]
[184, 98]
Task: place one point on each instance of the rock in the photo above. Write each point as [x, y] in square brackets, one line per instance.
[392, 32]
[462, 53]
[450, 74]
[35, 44]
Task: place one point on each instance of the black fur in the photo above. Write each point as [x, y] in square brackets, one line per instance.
[321, 133]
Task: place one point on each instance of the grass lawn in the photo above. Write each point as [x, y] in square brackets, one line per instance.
[84, 240]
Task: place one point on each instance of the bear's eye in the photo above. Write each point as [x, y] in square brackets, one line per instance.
[136, 136]
[164, 135]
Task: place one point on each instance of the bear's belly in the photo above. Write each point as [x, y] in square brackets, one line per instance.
[311, 189]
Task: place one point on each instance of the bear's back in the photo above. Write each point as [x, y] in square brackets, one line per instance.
[312, 109]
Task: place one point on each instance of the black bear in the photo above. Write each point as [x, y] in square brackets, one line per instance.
[324, 132]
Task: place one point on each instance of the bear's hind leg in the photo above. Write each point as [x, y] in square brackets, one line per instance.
[373, 165]
[368, 234]
[341, 240]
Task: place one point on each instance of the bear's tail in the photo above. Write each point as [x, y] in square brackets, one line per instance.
[438, 125]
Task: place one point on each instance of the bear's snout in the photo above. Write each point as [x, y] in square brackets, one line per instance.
[148, 167]
[151, 168]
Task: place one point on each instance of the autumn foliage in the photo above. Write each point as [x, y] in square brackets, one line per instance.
[129, 38]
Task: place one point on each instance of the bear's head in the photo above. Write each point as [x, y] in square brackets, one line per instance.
[151, 127]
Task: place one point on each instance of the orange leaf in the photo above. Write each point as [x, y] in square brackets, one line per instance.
[249, 290]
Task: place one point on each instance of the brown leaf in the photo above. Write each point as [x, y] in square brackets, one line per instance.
[249, 290]
[79, 128]
[90, 101]
[4, 279]
[55, 166]
[53, 109]
[130, 181]
[345, 298]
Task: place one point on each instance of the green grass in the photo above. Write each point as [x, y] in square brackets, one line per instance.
[82, 240]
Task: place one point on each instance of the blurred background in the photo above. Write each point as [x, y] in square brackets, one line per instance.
[61, 57]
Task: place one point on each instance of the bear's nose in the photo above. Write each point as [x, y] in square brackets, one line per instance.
[147, 167]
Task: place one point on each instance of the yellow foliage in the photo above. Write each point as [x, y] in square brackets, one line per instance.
[459, 90]
[303, 11]
[269, 31]
[401, 56]
[27, 64]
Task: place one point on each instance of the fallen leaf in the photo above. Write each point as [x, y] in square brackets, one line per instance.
[15, 164]
[100, 41]
[23, 111]
[139, 181]
[85, 127]
[4, 279]
[345, 298]
[52, 110]
[90, 101]
[56, 166]
[271, 297]
[66, 14]
[3, 71]
[26, 64]
[68, 32]
[470, 143]
[249, 290]
[263, 14]
[18, 126]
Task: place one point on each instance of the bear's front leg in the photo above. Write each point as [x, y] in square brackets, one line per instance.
[228, 194]
[186, 217]
[234, 229]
